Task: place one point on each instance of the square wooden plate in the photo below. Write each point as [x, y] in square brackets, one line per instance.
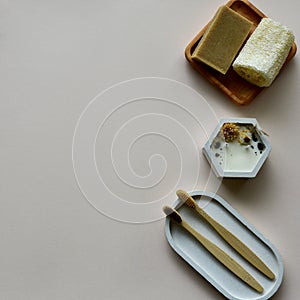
[231, 84]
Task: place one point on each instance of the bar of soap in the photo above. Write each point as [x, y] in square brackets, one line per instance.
[223, 39]
[264, 53]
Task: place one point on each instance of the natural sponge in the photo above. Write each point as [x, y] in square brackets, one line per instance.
[264, 53]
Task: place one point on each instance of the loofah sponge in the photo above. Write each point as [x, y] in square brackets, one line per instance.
[264, 53]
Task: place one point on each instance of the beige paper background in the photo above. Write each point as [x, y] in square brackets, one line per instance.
[56, 56]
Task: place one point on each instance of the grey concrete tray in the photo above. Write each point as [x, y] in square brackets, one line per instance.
[211, 269]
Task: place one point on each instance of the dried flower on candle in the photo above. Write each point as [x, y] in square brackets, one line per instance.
[230, 132]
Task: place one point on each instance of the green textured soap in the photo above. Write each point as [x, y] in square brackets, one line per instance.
[223, 39]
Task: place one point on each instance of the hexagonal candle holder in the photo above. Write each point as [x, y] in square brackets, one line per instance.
[237, 148]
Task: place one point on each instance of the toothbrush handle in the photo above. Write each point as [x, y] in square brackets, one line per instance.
[224, 258]
[237, 244]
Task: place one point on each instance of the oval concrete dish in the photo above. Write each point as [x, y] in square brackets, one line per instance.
[211, 269]
[237, 148]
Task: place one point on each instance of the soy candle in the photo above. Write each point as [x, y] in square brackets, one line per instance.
[237, 148]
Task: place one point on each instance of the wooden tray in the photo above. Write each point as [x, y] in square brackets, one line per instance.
[231, 84]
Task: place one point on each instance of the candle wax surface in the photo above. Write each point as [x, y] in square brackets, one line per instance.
[238, 155]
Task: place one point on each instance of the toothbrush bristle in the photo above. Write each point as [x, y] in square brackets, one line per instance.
[189, 202]
[172, 213]
[186, 198]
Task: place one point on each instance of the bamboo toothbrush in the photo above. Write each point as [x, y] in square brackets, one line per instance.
[230, 238]
[217, 252]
